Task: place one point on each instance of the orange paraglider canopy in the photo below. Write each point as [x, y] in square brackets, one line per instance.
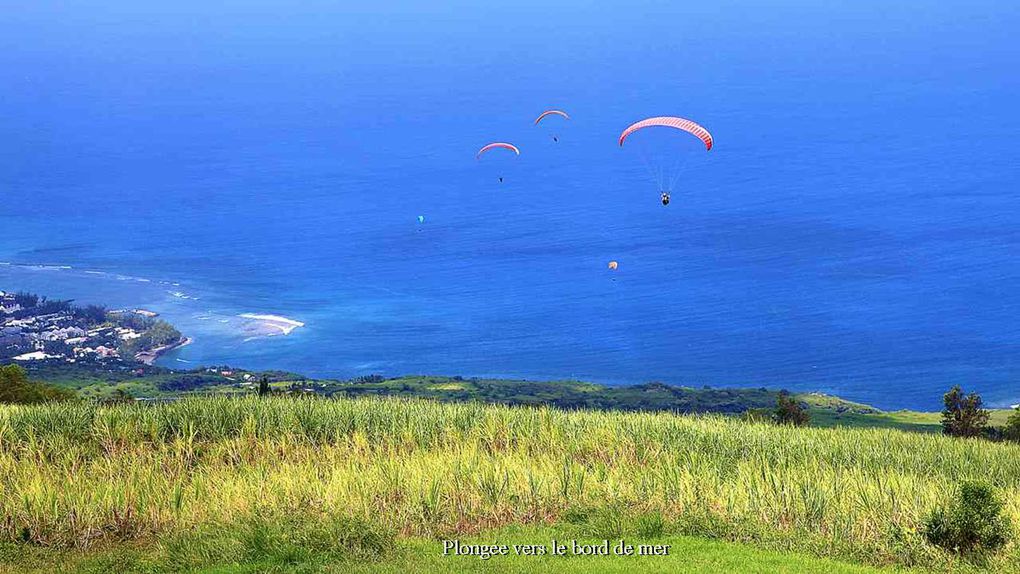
[613, 265]
[498, 145]
[551, 113]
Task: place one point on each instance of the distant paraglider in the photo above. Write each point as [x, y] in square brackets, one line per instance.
[613, 265]
[421, 219]
[497, 145]
[548, 113]
[666, 178]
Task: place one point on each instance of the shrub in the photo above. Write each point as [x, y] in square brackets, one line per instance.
[1012, 429]
[16, 388]
[963, 415]
[790, 412]
[970, 524]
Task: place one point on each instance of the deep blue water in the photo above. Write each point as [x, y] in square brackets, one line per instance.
[854, 231]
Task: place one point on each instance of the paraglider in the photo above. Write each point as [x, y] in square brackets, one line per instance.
[421, 219]
[497, 145]
[667, 178]
[548, 113]
[613, 265]
[671, 122]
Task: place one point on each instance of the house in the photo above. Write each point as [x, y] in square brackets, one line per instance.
[61, 334]
[127, 334]
[33, 356]
[106, 352]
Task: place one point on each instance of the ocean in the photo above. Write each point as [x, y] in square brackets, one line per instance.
[855, 230]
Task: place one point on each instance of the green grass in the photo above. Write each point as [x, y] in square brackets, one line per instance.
[82, 476]
[686, 554]
[237, 551]
[902, 420]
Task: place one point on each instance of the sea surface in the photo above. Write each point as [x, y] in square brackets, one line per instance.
[855, 230]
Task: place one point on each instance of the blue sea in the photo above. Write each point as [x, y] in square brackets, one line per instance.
[855, 230]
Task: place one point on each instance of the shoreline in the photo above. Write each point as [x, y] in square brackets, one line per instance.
[250, 326]
[150, 356]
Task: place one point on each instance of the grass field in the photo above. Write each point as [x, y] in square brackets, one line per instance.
[241, 552]
[912, 421]
[81, 477]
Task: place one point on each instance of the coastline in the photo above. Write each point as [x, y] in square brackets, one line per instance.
[150, 356]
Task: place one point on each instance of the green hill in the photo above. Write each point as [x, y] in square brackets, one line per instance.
[161, 384]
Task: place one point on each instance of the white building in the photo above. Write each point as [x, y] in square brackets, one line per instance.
[33, 356]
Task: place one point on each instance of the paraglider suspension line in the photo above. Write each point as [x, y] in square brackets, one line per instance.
[676, 170]
[656, 174]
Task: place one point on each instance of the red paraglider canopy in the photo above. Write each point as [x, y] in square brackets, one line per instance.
[671, 122]
[500, 145]
[551, 113]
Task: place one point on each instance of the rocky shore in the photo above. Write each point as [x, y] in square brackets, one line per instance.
[149, 356]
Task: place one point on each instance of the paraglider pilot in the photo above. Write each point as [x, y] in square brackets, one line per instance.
[665, 198]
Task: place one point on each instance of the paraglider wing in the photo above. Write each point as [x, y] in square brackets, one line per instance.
[613, 265]
[551, 113]
[671, 122]
[498, 145]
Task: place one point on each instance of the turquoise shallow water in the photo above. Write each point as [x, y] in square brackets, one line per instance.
[854, 230]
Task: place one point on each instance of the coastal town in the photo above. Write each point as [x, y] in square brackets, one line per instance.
[34, 328]
[108, 354]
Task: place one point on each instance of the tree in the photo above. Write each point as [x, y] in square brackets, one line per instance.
[789, 411]
[26, 299]
[119, 396]
[963, 415]
[1012, 429]
[91, 314]
[264, 389]
[16, 388]
[160, 334]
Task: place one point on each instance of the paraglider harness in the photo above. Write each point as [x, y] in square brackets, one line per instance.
[665, 198]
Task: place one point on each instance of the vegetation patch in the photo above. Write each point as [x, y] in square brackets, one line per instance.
[971, 523]
[147, 472]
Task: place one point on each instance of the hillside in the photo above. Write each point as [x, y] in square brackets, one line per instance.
[155, 383]
[364, 478]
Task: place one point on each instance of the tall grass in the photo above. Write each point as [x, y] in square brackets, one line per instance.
[72, 475]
